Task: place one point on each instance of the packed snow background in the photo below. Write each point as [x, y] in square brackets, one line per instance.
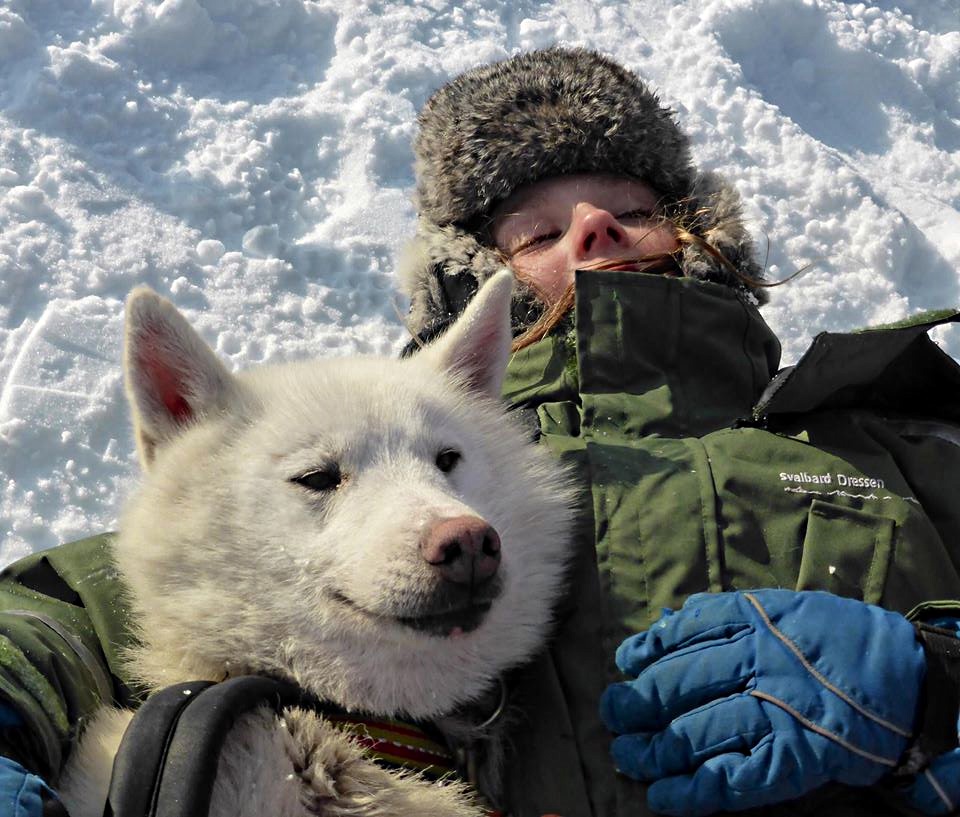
[251, 160]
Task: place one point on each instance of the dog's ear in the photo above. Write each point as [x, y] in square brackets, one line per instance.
[477, 346]
[172, 376]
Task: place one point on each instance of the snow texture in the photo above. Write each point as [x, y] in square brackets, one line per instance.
[251, 160]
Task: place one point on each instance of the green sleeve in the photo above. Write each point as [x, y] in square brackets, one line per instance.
[63, 628]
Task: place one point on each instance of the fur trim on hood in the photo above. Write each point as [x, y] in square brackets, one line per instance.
[547, 113]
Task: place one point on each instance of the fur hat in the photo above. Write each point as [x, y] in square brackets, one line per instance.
[495, 128]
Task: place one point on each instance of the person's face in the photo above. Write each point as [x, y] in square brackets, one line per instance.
[555, 226]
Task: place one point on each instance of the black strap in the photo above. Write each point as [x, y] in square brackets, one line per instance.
[143, 750]
[167, 760]
[938, 732]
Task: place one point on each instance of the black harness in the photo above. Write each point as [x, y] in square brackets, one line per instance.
[167, 760]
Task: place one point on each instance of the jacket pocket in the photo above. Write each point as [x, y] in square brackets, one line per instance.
[846, 552]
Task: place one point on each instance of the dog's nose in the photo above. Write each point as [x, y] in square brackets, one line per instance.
[464, 549]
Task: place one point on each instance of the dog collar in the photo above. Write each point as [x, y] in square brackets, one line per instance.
[401, 745]
[397, 743]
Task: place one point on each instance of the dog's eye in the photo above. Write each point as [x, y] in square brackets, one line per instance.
[322, 479]
[447, 460]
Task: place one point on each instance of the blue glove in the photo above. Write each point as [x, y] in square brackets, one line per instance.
[21, 794]
[748, 699]
[936, 790]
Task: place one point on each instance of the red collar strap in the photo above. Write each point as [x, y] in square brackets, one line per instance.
[400, 744]
[397, 743]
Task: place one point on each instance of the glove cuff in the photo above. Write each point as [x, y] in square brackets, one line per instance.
[939, 699]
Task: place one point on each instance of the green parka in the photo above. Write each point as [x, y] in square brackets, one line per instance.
[698, 473]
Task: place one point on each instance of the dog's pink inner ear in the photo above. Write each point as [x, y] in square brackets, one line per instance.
[476, 364]
[165, 382]
[479, 350]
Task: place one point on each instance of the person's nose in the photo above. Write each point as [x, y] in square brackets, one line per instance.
[596, 231]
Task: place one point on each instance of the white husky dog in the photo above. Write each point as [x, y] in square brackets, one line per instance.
[379, 531]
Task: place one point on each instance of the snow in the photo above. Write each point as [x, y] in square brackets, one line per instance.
[251, 160]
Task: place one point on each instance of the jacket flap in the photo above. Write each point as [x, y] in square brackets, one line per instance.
[894, 368]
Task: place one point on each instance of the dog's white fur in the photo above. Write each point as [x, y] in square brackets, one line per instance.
[234, 568]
